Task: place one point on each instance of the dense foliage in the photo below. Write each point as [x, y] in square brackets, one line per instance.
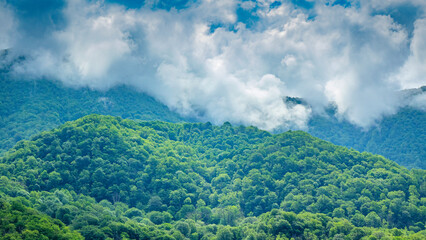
[400, 137]
[29, 107]
[18, 221]
[204, 182]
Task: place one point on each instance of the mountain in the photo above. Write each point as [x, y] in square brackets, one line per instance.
[400, 137]
[108, 177]
[30, 107]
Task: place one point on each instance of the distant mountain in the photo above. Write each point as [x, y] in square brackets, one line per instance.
[400, 137]
[157, 180]
[29, 107]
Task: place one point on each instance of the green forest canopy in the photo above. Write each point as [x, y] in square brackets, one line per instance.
[400, 137]
[171, 181]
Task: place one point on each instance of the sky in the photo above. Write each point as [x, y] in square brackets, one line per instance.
[228, 60]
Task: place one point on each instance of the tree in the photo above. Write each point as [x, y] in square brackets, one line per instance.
[225, 233]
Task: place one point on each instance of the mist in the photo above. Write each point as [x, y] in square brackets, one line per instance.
[229, 60]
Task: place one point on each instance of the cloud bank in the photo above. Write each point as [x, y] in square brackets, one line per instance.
[230, 60]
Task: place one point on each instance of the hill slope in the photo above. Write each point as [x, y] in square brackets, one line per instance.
[197, 176]
[400, 137]
[30, 107]
[21, 222]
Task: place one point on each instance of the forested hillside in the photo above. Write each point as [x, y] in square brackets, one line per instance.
[18, 221]
[400, 137]
[112, 178]
[30, 107]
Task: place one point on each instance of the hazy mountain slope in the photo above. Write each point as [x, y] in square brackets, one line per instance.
[231, 176]
[400, 137]
[29, 107]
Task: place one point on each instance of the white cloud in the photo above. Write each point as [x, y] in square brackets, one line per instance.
[348, 56]
[419, 101]
[413, 72]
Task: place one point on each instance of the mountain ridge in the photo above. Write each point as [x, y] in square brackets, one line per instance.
[42, 105]
[221, 175]
[29, 107]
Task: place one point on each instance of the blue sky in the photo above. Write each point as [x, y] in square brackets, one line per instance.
[228, 60]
